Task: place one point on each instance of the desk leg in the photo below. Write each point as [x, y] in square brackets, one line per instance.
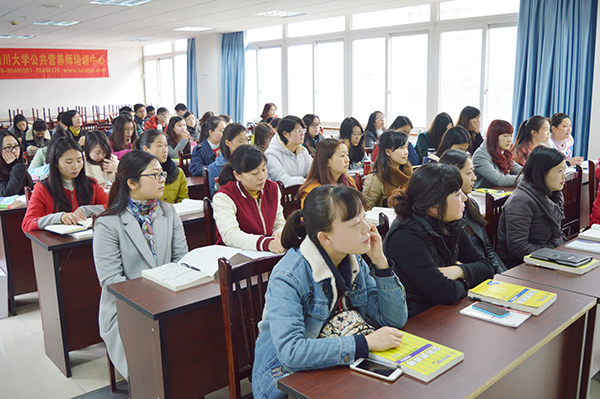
[51, 308]
[588, 352]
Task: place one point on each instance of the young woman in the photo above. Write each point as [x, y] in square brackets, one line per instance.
[263, 133]
[38, 166]
[562, 138]
[470, 119]
[352, 134]
[205, 117]
[191, 123]
[432, 137]
[123, 135]
[532, 132]
[100, 163]
[531, 217]
[155, 142]
[475, 222]
[269, 111]
[456, 138]
[494, 166]
[178, 137]
[67, 196]
[234, 135]
[19, 127]
[13, 172]
[136, 232]
[73, 122]
[330, 166]
[288, 161]
[314, 133]
[247, 208]
[374, 129]
[37, 137]
[403, 124]
[435, 258]
[321, 273]
[391, 169]
[207, 150]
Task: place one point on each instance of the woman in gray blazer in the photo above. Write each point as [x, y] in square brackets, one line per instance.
[136, 232]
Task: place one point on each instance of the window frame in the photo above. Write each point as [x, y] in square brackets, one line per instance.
[158, 57]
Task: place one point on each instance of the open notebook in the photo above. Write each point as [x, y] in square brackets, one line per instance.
[63, 229]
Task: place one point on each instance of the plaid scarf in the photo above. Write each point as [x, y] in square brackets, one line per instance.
[144, 212]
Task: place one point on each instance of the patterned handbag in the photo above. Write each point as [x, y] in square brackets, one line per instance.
[345, 322]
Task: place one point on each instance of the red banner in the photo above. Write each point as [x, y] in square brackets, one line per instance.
[37, 63]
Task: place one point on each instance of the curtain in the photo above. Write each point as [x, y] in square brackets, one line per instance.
[192, 78]
[555, 63]
[233, 50]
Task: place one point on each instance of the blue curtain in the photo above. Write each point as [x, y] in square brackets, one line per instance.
[192, 78]
[233, 56]
[555, 63]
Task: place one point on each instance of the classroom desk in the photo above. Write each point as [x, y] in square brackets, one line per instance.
[539, 359]
[195, 187]
[195, 233]
[16, 258]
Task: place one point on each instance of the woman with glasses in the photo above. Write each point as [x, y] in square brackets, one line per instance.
[353, 135]
[374, 129]
[314, 132]
[123, 135]
[155, 142]
[67, 196]
[13, 172]
[137, 232]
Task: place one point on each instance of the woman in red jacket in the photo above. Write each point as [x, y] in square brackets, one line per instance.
[67, 196]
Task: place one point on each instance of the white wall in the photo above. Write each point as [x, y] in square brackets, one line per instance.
[208, 64]
[594, 143]
[125, 85]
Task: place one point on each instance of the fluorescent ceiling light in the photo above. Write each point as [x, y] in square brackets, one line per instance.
[16, 37]
[56, 23]
[136, 40]
[279, 14]
[52, 5]
[124, 3]
[193, 29]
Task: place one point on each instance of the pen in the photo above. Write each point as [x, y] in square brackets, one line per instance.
[190, 266]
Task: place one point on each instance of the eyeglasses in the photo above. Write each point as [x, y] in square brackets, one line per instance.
[380, 118]
[315, 125]
[157, 175]
[11, 149]
[301, 130]
[357, 134]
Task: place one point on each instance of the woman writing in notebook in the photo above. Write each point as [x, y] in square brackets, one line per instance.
[136, 232]
[322, 275]
[67, 196]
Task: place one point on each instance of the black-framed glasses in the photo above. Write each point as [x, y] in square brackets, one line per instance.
[11, 148]
[157, 175]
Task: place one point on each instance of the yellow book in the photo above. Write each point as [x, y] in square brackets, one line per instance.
[419, 357]
[512, 296]
[495, 193]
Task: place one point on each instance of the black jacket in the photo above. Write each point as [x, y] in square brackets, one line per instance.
[481, 241]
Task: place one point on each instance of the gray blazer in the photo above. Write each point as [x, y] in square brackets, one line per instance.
[488, 174]
[121, 252]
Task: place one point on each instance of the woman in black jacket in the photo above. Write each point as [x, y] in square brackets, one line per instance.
[13, 172]
[434, 257]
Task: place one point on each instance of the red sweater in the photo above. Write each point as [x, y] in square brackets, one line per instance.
[42, 204]
[595, 216]
[152, 123]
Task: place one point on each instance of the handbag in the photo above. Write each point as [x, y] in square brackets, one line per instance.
[345, 322]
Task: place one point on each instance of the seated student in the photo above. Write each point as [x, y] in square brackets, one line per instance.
[494, 166]
[314, 132]
[136, 232]
[158, 121]
[150, 112]
[226, 118]
[13, 172]
[562, 139]
[263, 133]
[37, 137]
[207, 149]
[190, 123]
[352, 134]
[247, 207]
[178, 137]
[531, 217]
[435, 258]
[391, 169]
[59, 126]
[123, 135]
[100, 163]
[402, 124]
[205, 117]
[269, 111]
[180, 109]
[470, 119]
[234, 135]
[315, 280]
[68, 196]
[374, 129]
[595, 213]
[141, 117]
[532, 132]
[456, 138]
[287, 159]
[475, 222]
[330, 166]
[38, 166]
[74, 122]
[19, 127]
[155, 142]
[430, 140]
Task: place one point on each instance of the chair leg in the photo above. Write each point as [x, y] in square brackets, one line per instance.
[112, 375]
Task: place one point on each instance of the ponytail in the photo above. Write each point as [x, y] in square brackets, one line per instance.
[294, 231]
[226, 174]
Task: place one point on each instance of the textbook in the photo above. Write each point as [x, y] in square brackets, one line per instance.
[189, 206]
[592, 234]
[586, 267]
[584, 245]
[419, 358]
[480, 192]
[11, 202]
[512, 296]
[514, 319]
[63, 229]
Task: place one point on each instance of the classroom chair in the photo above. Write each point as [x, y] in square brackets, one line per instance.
[593, 185]
[243, 290]
[572, 193]
[184, 163]
[358, 180]
[206, 186]
[289, 198]
[209, 222]
[493, 210]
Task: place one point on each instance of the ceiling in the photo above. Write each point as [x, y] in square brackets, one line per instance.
[104, 26]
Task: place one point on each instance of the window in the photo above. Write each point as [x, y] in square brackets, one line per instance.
[368, 77]
[476, 8]
[300, 79]
[251, 101]
[317, 27]
[263, 34]
[330, 81]
[165, 73]
[396, 16]
[502, 54]
[269, 77]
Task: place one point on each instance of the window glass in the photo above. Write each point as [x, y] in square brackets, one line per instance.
[180, 78]
[166, 95]
[501, 72]
[267, 33]
[300, 80]
[181, 45]
[251, 92]
[476, 8]
[368, 77]
[330, 81]
[151, 81]
[395, 16]
[317, 26]
[269, 77]
[157, 48]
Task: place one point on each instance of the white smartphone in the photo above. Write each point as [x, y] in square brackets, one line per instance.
[376, 369]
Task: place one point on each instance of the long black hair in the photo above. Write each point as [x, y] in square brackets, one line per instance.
[210, 125]
[6, 169]
[438, 128]
[538, 164]
[244, 159]
[371, 122]
[455, 135]
[92, 139]
[356, 153]
[229, 133]
[389, 140]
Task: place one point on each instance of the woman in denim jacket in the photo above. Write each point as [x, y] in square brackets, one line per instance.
[322, 265]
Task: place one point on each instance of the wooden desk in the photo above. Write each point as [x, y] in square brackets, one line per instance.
[195, 187]
[540, 359]
[195, 233]
[16, 258]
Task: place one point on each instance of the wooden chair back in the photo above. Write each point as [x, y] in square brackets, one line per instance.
[206, 186]
[572, 193]
[493, 210]
[209, 222]
[593, 184]
[358, 180]
[184, 162]
[243, 289]
[289, 198]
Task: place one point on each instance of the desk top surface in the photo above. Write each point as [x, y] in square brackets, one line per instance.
[479, 340]
[194, 180]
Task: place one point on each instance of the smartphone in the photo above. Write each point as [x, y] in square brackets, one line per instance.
[490, 309]
[376, 369]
